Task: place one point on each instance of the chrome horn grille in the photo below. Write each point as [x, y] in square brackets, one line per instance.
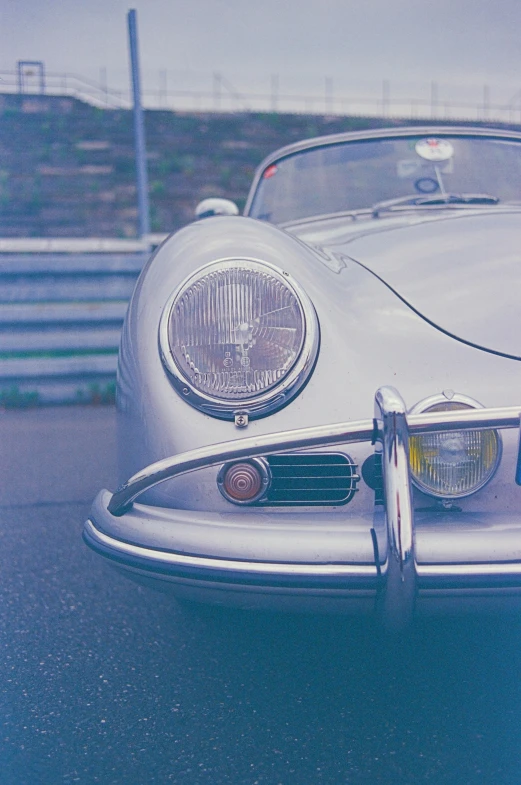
[304, 479]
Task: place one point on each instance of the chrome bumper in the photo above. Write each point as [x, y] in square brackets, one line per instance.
[395, 571]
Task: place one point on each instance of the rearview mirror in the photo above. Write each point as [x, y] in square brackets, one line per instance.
[215, 206]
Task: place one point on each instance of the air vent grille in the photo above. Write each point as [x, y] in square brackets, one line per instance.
[304, 479]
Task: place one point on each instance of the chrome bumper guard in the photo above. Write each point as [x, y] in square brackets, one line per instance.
[392, 428]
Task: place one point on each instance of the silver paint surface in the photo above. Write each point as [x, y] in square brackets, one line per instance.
[399, 299]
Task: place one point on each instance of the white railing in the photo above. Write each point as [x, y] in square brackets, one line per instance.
[216, 93]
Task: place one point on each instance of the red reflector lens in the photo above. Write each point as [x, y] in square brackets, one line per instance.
[269, 172]
[242, 482]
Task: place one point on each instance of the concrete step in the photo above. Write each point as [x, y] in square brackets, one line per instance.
[66, 339]
[56, 288]
[14, 315]
[38, 368]
[71, 264]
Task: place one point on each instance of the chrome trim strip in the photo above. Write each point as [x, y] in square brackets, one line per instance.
[228, 565]
[464, 419]
[362, 136]
[468, 570]
[448, 397]
[424, 571]
[518, 466]
[300, 439]
[398, 595]
[251, 447]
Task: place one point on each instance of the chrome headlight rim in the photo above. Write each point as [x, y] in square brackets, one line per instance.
[423, 406]
[276, 397]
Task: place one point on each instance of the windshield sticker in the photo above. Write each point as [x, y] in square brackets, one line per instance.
[269, 172]
[426, 185]
[408, 167]
[414, 167]
[434, 149]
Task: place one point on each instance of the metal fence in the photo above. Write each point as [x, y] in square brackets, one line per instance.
[60, 321]
[217, 93]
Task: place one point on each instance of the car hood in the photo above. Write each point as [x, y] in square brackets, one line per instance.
[461, 271]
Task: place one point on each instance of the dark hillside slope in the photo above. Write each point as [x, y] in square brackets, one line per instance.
[67, 168]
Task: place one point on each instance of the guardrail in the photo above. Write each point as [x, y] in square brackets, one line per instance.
[60, 321]
[217, 92]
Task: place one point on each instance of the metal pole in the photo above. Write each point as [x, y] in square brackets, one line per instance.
[217, 82]
[486, 101]
[328, 95]
[434, 99]
[139, 131]
[386, 91]
[274, 92]
[104, 84]
[162, 87]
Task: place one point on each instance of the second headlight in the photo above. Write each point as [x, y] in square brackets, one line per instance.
[453, 464]
[239, 335]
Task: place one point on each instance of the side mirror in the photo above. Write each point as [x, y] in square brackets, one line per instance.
[215, 206]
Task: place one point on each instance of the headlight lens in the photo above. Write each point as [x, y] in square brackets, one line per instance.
[456, 463]
[237, 333]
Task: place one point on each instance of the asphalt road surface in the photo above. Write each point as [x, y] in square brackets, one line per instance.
[102, 681]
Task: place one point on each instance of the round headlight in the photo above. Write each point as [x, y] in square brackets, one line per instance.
[453, 464]
[239, 335]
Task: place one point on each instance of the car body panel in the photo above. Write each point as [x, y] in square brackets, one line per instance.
[416, 357]
[470, 272]
[447, 331]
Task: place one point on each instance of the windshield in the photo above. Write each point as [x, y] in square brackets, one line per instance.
[359, 175]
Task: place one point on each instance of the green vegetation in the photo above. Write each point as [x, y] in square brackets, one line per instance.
[46, 355]
[190, 157]
[96, 394]
[13, 398]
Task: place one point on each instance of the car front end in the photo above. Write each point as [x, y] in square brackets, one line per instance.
[301, 426]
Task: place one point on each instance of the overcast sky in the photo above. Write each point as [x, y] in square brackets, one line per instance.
[461, 44]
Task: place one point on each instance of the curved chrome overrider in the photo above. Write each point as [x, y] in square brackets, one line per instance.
[398, 593]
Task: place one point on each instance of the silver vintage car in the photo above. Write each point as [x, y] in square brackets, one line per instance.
[319, 401]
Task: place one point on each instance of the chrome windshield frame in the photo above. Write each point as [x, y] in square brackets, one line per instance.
[367, 136]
